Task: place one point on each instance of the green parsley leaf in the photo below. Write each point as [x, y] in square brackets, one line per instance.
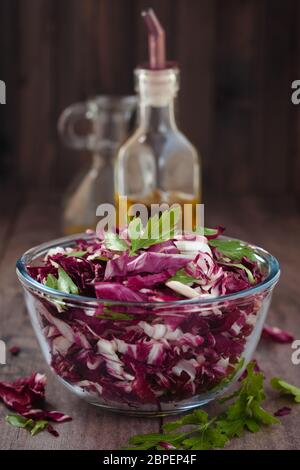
[196, 417]
[212, 437]
[51, 281]
[209, 231]
[157, 230]
[19, 421]
[39, 426]
[261, 415]
[244, 414]
[109, 314]
[233, 249]
[183, 277]
[65, 283]
[153, 440]
[76, 254]
[99, 258]
[135, 229]
[286, 388]
[244, 268]
[247, 271]
[247, 406]
[114, 242]
[252, 425]
[168, 222]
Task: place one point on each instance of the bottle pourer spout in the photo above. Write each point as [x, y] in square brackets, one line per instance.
[156, 40]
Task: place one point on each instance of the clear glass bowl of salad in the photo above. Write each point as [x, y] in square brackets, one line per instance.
[151, 330]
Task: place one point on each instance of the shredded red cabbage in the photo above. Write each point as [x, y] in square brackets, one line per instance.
[15, 350]
[283, 411]
[26, 396]
[154, 352]
[276, 334]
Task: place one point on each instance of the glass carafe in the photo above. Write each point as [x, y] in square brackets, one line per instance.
[157, 163]
[109, 119]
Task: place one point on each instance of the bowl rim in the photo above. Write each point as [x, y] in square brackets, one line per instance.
[38, 250]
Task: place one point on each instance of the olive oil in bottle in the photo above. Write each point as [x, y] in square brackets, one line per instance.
[157, 164]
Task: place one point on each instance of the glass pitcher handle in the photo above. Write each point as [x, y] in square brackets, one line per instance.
[67, 122]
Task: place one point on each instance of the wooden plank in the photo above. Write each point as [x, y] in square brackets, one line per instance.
[91, 428]
[37, 137]
[195, 39]
[294, 172]
[75, 76]
[272, 154]
[259, 221]
[238, 59]
[95, 56]
[9, 208]
[115, 48]
[235, 89]
[9, 74]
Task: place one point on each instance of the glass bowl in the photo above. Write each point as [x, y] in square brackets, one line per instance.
[147, 359]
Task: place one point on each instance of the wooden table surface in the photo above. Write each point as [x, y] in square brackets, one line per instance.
[275, 225]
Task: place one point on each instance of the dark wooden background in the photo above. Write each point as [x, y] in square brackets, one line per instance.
[237, 58]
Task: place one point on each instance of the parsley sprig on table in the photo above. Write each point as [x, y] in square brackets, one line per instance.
[197, 431]
[285, 388]
[33, 426]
